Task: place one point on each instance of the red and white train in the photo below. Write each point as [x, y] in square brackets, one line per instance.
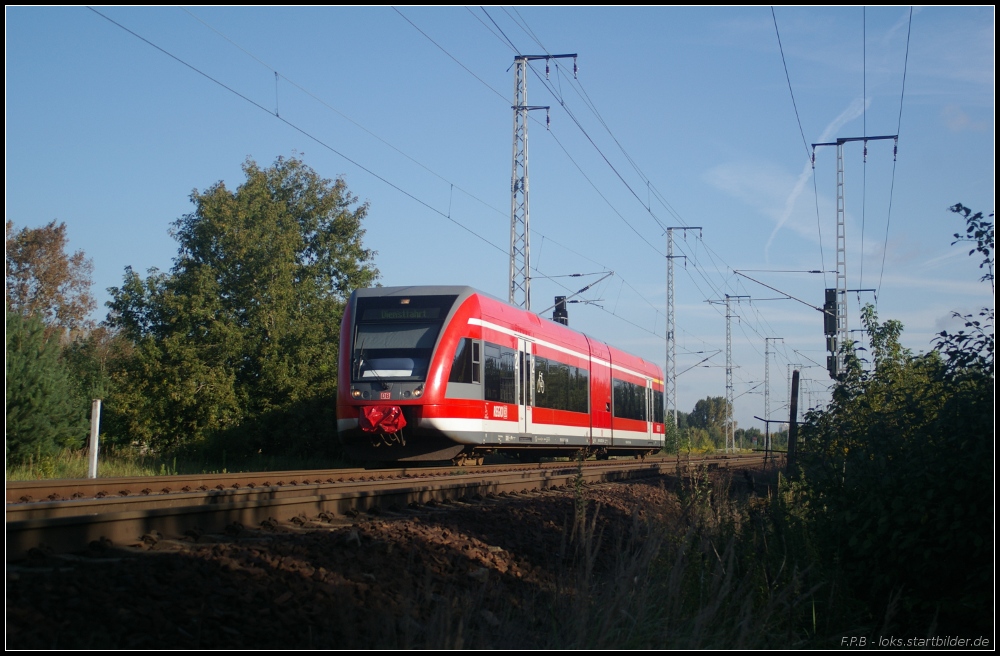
[449, 373]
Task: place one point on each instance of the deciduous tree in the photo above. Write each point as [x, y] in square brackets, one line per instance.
[973, 348]
[240, 339]
[44, 281]
[709, 412]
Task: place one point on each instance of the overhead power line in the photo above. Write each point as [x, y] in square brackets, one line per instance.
[713, 279]
[788, 78]
[899, 124]
[320, 142]
[301, 131]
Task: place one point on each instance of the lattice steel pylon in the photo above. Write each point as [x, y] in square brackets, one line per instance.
[730, 401]
[730, 430]
[767, 385]
[841, 261]
[520, 252]
[842, 331]
[520, 259]
[670, 384]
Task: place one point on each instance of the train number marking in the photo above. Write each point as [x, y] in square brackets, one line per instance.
[500, 411]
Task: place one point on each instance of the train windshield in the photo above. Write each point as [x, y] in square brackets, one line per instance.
[394, 336]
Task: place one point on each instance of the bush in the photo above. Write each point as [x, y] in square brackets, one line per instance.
[897, 476]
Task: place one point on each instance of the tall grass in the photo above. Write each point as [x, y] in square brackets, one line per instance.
[725, 567]
[701, 581]
[114, 463]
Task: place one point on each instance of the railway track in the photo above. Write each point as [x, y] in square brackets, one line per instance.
[74, 513]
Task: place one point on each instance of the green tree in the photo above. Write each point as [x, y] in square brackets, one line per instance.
[779, 439]
[47, 299]
[709, 415]
[673, 439]
[700, 439]
[239, 341]
[749, 437]
[175, 386]
[88, 358]
[682, 420]
[709, 412]
[973, 349]
[44, 414]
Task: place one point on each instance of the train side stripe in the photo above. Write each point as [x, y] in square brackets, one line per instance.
[488, 425]
[556, 347]
[460, 425]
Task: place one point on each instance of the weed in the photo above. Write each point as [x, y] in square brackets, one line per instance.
[123, 462]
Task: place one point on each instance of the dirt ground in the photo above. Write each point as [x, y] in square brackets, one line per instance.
[503, 572]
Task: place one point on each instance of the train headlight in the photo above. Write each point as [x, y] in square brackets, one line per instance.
[356, 393]
[417, 392]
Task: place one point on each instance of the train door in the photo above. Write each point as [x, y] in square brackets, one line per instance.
[649, 410]
[600, 393]
[524, 375]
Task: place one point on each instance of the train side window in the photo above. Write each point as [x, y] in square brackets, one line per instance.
[579, 391]
[630, 400]
[477, 366]
[466, 363]
[499, 373]
[560, 386]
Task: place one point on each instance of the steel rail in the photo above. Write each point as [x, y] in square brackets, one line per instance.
[68, 526]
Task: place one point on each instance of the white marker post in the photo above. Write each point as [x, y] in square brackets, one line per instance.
[95, 426]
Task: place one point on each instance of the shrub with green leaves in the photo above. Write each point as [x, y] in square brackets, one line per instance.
[897, 478]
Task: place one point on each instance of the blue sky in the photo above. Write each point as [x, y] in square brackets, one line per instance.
[678, 116]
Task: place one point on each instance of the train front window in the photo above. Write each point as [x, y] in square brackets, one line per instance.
[394, 337]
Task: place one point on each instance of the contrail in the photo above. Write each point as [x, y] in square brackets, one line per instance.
[853, 111]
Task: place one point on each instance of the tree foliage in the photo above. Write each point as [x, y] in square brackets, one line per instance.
[673, 438]
[707, 424]
[703, 429]
[47, 295]
[979, 231]
[896, 478]
[44, 413]
[44, 281]
[973, 348]
[751, 437]
[710, 412]
[239, 341]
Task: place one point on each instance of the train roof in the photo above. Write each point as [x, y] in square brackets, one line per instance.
[418, 290]
[462, 292]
